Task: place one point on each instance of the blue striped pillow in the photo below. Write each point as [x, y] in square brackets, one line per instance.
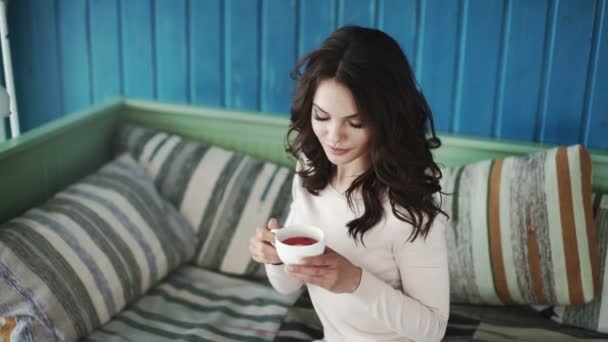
[223, 195]
[93, 248]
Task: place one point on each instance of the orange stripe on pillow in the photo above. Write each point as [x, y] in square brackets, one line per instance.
[498, 266]
[534, 262]
[7, 328]
[573, 267]
[594, 253]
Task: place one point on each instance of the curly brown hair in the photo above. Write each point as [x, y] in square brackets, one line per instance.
[374, 68]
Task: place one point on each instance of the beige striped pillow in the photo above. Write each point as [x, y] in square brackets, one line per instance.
[223, 195]
[521, 229]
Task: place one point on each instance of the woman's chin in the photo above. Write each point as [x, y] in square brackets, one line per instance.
[337, 160]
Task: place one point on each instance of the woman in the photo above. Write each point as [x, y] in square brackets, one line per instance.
[366, 176]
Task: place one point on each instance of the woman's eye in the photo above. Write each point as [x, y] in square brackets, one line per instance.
[319, 118]
[355, 125]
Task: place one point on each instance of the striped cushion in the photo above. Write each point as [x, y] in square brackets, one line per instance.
[77, 260]
[593, 315]
[521, 230]
[194, 304]
[224, 195]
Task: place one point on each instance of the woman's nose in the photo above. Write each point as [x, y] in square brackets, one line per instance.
[334, 133]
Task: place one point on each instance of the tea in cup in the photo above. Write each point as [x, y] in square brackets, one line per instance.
[296, 241]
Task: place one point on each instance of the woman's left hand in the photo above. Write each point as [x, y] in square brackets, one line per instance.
[330, 271]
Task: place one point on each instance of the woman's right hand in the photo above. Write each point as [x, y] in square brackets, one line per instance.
[260, 245]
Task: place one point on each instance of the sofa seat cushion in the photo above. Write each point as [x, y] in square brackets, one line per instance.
[194, 304]
[301, 322]
[521, 230]
[502, 323]
[223, 195]
[81, 257]
[510, 323]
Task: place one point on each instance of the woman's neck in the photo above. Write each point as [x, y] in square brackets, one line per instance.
[344, 175]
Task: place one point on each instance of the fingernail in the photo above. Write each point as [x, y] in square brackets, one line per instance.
[272, 220]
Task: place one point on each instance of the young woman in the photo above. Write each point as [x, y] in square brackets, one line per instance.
[362, 133]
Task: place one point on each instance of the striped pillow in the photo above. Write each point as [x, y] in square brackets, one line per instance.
[593, 315]
[223, 195]
[77, 260]
[521, 230]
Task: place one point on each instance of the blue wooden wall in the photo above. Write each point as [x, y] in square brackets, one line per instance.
[531, 70]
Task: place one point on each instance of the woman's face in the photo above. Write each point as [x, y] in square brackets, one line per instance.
[338, 126]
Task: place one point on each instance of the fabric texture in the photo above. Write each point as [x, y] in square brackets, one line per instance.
[223, 195]
[301, 322]
[194, 304]
[22, 328]
[403, 294]
[510, 323]
[77, 260]
[593, 315]
[521, 229]
[466, 323]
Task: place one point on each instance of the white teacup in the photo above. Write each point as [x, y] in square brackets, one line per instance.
[293, 253]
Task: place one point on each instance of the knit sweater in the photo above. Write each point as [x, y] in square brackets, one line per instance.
[404, 290]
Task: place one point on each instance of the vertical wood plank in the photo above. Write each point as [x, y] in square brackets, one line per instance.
[242, 54]
[596, 123]
[438, 68]
[482, 33]
[171, 59]
[137, 49]
[356, 12]
[19, 34]
[316, 23]
[567, 71]
[43, 90]
[73, 52]
[400, 20]
[278, 54]
[105, 50]
[206, 52]
[516, 117]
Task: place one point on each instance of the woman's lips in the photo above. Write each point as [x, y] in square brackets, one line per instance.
[337, 151]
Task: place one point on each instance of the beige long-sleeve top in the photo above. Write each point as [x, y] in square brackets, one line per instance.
[404, 290]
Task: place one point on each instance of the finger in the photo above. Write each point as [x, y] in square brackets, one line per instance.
[269, 254]
[273, 224]
[254, 255]
[263, 252]
[264, 235]
[314, 280]
[319, 260]
[307, 270]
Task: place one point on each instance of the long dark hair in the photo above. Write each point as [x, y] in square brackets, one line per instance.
[372, 65]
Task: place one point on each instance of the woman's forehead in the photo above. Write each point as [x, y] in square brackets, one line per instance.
[335, 99]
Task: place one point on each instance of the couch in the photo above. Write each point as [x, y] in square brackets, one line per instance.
[130, 221]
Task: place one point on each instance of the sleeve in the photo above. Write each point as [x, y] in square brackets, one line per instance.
[420, 312]
[279, 279]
